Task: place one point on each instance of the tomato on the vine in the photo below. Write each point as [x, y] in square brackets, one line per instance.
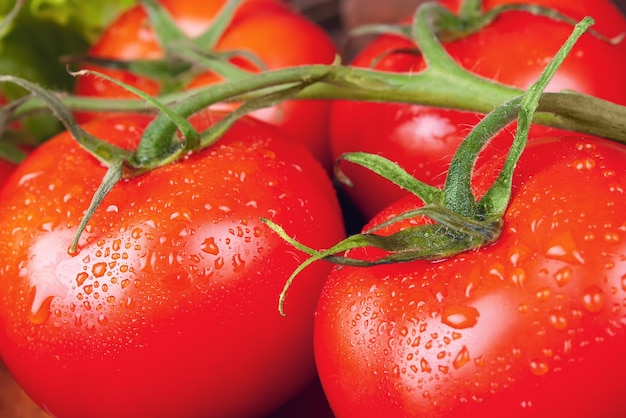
[532, 325]
[271, 31]
[512, 50]
[169, 306]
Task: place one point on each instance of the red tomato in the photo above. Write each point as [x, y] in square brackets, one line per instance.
[268, 29]
[513, 50]
[169, 308]
[531, 326]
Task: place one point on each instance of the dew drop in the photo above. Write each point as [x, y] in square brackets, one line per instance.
[585, 164]
[538, 367]
[81, 277]
[564, 248]
[593, 299]
[479, 361]
[425, 365]
[518, 276]
[219, 262]
[239, 263]
[209, 246]
[563, 276]
[611, 238]
[102, 319]
[460, 317]
[543, 294]
[99, 269]
[136, 233]
[43, 313]
[461, 358]
[558, 321]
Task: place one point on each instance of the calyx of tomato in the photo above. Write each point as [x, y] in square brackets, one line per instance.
[462, 221]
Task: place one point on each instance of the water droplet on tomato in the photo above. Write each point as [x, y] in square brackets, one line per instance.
[479, 361]
[563, 248]
[239, 263]
[593, 299]
[544, 294]
[209, 246]
[563, 276]
[539, 367]
[99, 269]
[460, 317]
[42, 314]
[219, 262]
[518, 276]
[461, 358]
[102, 319]
[78, 320]
[584, 164]
[558, 321]
[81, 277]
[611, 237]
[425, 365]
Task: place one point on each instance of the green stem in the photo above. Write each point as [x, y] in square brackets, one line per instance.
[470, 9]
[570, 111]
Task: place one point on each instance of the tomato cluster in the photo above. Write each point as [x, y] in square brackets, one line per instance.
[157, 294]
[512, 50]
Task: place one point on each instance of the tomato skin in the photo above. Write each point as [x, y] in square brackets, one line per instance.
[532, 325]
[170, 306]
[512, 50]
[258, 27]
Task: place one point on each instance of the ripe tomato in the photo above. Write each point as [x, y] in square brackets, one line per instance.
[533, 325]
[512, 50]
[270, 30]
[169, 308]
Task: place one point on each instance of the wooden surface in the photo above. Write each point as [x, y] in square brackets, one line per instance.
[14, 403]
